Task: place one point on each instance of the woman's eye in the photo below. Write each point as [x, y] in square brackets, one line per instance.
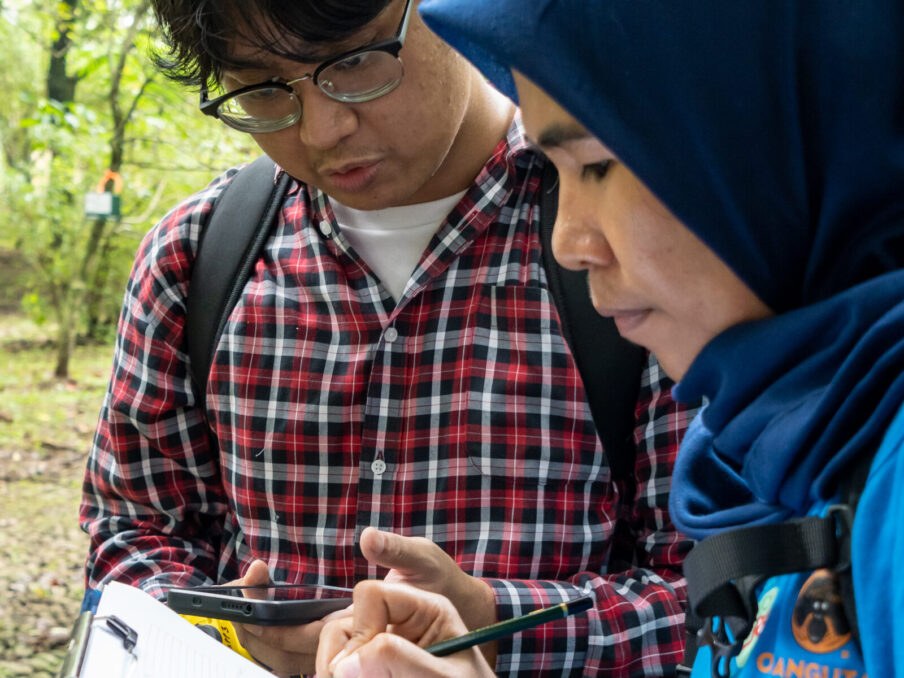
[596, 170]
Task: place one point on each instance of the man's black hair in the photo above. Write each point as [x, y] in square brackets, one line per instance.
[199, 34]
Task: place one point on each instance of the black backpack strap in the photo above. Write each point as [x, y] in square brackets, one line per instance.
[851, 490]
[610, 366]
[800, 545]
[237, 228]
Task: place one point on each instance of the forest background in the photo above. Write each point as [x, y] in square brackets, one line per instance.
[81, 107]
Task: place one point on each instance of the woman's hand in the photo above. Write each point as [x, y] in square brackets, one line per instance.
[421, 563]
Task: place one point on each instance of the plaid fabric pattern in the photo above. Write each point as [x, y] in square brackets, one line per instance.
[456, 414]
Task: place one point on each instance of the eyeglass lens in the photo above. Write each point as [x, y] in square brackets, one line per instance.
[361, 76]
[358, 78]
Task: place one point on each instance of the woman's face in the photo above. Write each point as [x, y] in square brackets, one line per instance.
[664, 288]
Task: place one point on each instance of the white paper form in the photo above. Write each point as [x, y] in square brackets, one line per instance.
[168, 646]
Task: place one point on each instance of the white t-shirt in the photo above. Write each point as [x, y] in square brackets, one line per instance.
[392, 240]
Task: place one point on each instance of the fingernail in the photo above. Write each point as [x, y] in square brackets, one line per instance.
[350, 667]
[378, 541]
[253, 629]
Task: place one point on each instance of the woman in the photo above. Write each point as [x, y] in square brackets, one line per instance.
[774, 132]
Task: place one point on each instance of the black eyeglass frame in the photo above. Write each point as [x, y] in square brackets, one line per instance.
[391, 45]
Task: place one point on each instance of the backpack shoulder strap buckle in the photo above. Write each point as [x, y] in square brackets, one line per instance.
[714, 634]
[843, 515]
[725, 634]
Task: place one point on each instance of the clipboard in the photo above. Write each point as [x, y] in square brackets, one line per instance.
[130, 634]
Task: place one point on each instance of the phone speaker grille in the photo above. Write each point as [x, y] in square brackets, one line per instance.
[244, 608]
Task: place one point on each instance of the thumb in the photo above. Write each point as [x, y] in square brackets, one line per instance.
[257, 574]
[410, 557]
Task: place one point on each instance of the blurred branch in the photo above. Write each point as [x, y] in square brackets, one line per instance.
[151, 207]
[204, 167]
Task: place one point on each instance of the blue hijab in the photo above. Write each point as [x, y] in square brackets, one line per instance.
[775, 132]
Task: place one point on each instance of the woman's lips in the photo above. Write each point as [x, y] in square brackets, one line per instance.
[626, 321]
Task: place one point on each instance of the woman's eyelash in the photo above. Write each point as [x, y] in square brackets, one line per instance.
[596, 170]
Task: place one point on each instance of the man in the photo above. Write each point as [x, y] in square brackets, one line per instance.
[395, 362]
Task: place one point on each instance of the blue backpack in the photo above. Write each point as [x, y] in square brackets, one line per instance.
[777, 600]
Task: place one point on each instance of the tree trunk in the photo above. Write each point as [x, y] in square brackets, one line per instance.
[61, 85]
[61, 301]
[65, 342]
[95, 309]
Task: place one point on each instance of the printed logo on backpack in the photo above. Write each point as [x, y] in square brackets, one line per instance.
[800, 632]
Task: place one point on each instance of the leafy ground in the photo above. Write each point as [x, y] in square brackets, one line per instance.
[45, 429]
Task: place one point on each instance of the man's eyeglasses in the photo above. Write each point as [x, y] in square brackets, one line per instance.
[361, 75]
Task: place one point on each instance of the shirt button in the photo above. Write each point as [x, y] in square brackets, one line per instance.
[326, 229]
[391, 334]
[378, 466]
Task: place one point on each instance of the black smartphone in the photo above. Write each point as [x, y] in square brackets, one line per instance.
[266, 605]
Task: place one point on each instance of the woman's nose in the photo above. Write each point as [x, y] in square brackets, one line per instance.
[578, 241]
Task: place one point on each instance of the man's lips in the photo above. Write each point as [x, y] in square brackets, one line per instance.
[353, 176]
[346, 167]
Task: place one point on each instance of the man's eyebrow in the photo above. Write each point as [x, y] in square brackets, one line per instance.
[250, 63]
[559, 134]
[237, 65]
[309, 55]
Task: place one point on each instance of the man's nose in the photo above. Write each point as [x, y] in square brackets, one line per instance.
[325, 121]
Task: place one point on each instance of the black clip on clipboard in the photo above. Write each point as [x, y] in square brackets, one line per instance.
[81, 633]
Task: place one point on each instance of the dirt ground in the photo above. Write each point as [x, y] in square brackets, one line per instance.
[45, 431]
[42, 551]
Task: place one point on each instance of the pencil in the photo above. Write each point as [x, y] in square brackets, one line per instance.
[510, 626]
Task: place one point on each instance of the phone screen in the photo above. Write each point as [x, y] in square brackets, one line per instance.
[280, 591]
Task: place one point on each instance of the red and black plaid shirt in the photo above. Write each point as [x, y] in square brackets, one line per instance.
[456, 414]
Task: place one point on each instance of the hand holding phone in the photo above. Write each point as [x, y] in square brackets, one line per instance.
[265, 605]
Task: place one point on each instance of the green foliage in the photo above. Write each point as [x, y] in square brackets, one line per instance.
[125, 115]
[35, 306]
